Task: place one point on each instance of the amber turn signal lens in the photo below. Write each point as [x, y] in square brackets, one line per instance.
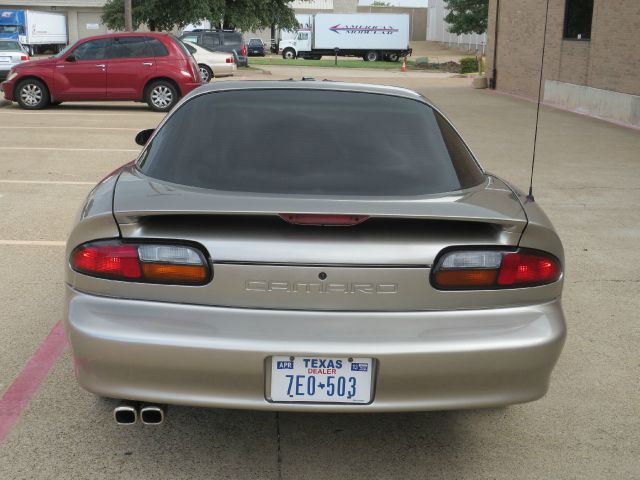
[183, 274]
[466, 278]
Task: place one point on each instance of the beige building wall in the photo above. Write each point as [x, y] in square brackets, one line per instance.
[345, 6]
[83, 16]
[609, 61]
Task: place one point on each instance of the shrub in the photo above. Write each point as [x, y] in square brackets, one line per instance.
[468, 65]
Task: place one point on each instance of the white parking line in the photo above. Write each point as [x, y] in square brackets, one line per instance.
[77, 113]
[74, 149]
[36, 243]
[44, 182]
[67, 128]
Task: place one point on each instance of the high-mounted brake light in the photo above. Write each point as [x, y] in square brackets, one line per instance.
[150, 263]
[493, 269]
[322, 219]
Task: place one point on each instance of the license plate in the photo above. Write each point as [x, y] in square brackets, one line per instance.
[321, 379]
[5, 59]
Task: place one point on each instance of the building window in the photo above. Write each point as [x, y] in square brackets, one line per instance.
[577, 19]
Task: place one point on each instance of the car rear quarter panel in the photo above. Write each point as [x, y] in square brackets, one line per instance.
[172, 65]
[539, 232]
[95, 219]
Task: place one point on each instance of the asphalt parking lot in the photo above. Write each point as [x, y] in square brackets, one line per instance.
[588, 426]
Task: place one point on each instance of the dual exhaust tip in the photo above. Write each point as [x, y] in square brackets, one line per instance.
[128, 413]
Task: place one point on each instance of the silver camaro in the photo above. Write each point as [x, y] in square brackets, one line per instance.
[311, 246]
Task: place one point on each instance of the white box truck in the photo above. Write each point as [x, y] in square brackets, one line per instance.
[372, 36]
[38, 31]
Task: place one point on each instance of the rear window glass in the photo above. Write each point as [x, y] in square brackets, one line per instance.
[310, 142]
[211, 40]
[10, 47]
[181, 45]
[232, 39]
[189, 38]
[191, 49]
[159, 50]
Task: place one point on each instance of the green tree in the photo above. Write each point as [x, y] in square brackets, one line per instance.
[156, 14]
[257, 14]
[467, 16]
[167, 14]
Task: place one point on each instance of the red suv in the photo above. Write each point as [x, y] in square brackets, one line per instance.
[152, 67]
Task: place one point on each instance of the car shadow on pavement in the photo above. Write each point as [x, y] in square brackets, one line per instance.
[390, 445]
[302, 445]
[100, 107]
[84, 107]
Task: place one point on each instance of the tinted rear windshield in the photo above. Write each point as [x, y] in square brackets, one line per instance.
[10, 47]
[311, 142]
[232, 39]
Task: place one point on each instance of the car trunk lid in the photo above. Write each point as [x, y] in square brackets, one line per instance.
[260, 260]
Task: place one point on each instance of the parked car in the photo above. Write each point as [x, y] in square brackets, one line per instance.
[149, 67]
[212, 64]
[256, 48]
[379, 270]
[219, 41]
[240, 59]
[12, 53]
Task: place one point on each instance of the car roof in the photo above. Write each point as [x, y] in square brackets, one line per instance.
[203, 50]
[307, 84]
[128, 34]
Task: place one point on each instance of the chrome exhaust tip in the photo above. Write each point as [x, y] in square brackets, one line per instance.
[152, 414]
[126, 413]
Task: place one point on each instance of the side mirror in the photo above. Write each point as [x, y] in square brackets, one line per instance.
[70, 58]
[143, 136]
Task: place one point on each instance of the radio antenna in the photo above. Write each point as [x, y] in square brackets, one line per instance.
[535, 135]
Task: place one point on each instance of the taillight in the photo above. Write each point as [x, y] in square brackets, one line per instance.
[322, 219]
[148, 263]
[229, 60]
[24, 58]
[494, 269]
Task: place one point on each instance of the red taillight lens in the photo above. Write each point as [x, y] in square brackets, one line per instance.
[115, 261]
[150, 263]
[322, 219]
[229, 60]
[24, 58]
[494, 269]
[528, 269]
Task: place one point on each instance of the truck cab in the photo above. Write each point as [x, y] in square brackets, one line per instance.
[300, 46]
[12, 24]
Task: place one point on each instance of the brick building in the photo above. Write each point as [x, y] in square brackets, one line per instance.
[592, 54]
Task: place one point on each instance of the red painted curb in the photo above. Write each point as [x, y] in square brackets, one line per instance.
[19, 394]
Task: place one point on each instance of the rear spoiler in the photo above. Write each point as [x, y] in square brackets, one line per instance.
[137, 196]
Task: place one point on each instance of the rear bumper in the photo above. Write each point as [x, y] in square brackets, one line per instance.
[187, 87]
[224, 70]
[7, 89]
[215, 357]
